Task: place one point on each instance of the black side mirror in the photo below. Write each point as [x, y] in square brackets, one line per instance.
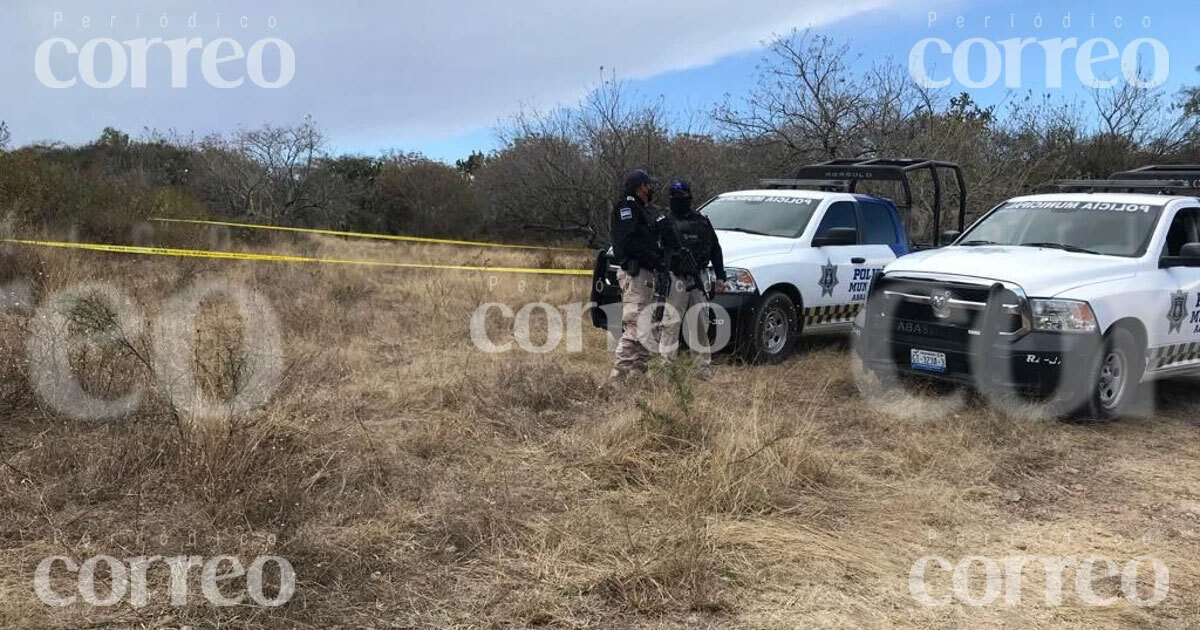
[836, 236]
[1189, 256]
[949, 236]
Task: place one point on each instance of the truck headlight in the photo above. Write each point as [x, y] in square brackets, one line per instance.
[739, 281]
[1063, 316]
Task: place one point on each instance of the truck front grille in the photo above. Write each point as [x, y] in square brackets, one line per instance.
[952, 311]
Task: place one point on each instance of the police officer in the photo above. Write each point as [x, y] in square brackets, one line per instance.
[694, 233]
[635, 247]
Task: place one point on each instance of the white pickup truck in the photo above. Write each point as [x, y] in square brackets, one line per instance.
[1075, 296]
[799, 253]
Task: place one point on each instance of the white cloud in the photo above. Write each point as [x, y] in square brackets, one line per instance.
[417, 69]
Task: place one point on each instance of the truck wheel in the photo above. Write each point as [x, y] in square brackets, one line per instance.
[870, 384]
[1113, 389]
[773, 330]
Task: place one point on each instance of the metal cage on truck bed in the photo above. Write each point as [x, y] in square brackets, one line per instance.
[845, 174]
[1189, 174]
[1154, 179]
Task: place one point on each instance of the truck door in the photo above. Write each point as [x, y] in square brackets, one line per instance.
[1174, 335]
[882, 240]
[830, 299]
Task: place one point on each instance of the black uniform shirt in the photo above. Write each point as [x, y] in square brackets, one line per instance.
[633, 237]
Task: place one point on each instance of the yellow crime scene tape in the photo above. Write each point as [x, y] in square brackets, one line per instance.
[201, 253]
[385, 237]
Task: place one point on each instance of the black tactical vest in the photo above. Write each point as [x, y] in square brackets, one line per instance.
[695, 235]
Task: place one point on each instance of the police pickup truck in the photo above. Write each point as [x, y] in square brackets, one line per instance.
[800, 253]
[1077, 296]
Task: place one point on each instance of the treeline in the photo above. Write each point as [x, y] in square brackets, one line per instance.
[554, 176]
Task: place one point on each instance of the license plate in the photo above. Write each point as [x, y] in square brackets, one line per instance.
[928, 360]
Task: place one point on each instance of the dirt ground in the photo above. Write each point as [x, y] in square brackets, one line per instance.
[413, 480]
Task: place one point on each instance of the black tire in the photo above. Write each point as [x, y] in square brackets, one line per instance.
[773, 330]
[1112, 390]
[870, 383]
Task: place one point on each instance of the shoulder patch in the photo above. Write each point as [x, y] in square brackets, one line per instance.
[626, 214]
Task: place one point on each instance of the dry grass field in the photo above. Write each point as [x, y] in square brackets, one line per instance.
[414, 481]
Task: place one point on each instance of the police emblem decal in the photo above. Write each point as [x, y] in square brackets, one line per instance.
[829, 278]
[1177, 311]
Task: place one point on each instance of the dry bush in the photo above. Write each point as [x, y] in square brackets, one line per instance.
[667, 571]
[160, 470]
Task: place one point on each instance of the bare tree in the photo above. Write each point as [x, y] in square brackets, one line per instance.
[5, 135]
[228, 179]
[815, 104]
[558, 171]
[543, 180]
[421, 196]
[270, 173]
[1146, 118]
[621, 131]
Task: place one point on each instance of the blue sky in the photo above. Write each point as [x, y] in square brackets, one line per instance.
[435, 76]
[893, 31]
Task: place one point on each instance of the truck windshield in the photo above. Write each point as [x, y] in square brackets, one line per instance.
[769, 215]
[1095, 227]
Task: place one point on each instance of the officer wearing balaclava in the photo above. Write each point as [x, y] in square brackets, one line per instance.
[693, 233]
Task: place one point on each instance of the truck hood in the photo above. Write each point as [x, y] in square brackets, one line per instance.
[1039, 271]
[739, 246]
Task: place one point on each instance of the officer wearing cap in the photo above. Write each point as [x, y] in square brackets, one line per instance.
[691, 231]
[636, 250]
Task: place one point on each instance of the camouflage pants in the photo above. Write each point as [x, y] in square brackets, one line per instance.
[637, 293]
[678, 304]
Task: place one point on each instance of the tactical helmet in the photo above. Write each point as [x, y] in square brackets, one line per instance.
[681, 189]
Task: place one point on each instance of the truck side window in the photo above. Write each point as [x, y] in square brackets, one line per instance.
[879, 228]
[839, 215]
[1183, 230]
